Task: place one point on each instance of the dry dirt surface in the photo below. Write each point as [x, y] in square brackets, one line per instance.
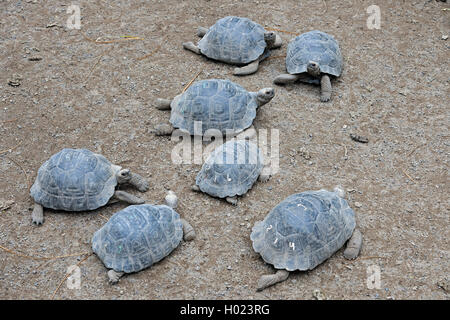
[94, 88]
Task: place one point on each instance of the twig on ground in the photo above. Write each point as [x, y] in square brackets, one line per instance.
[68, 275]
[126, 38]
[406, 174]
[190, 82]
[11, 149]
[153, 52]
[23, 170]
[6, 121]
[284, 31]
[41, 258]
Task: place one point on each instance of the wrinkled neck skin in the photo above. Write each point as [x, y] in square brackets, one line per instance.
[260, 101]
[313, 69]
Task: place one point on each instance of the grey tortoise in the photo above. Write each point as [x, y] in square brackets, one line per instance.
[313, 57]
[139, 236]
[80, 180]
[231, 170]
[303, 231]
[212, 104]
[238, 41]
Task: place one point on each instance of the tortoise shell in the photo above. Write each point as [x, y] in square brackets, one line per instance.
[304, 230]
[75, 180]
[214, 104]
[315, 46]
[137, 237]
[231, 169]
[234, 40]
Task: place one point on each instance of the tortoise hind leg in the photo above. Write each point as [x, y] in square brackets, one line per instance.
[163, 129]
[37, 215]
[163, 104]
[191, 47]
[271, 279]
[248, 69]
[353, 245]
[188, 231]
[114, 276]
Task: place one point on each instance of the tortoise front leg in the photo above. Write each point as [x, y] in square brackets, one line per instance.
[271, 279]
[163, 129]
[264, 176]
[248, 69]
[191, 47]
[138, 182]
[114, 276]
[201, 31]
[325, 88]
[286, 78]
[37, 215]
[128, 197]
[232, 200]
[353, 245]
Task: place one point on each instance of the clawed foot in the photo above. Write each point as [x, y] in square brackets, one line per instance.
[264, 178]
[325, 98]
[139, 182]
[114, 276]
[163, 129]
[38, 215]
[232, 200]
[269, 280]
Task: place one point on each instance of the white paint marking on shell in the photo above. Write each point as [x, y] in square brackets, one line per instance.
[269, 228]
[276, 240]
[228, 178]
[171, 199]
[301, 205]
[292, 245]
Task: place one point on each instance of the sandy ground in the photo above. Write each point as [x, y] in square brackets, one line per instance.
[77, 93]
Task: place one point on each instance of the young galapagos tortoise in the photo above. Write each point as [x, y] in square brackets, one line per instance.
[139, 236]
[231, 170]
[237, 41]
[303, 231]
[313, 57]
[213, 104]
[80, 180]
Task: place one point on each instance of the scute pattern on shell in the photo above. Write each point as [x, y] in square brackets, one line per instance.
[304, 230]
[231, 169]
[234, 40]
[137, 237]
[217, 104]
[74, 180]
[315, 46]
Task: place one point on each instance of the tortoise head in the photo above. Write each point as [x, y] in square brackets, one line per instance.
[270, 37]
[265, 95]
[313, 68]
[123, 176]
